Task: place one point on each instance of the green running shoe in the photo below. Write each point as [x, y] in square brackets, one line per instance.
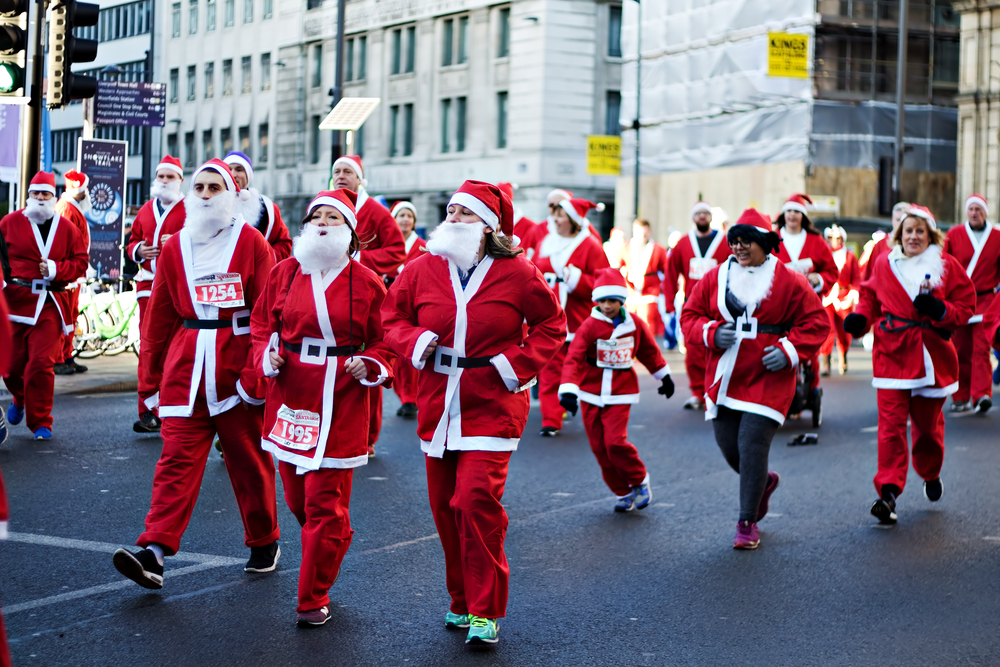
[482, 630]
[452, 621]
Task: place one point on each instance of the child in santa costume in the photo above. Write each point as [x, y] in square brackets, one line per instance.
[73, 206]
[841, 300]
[568, 258]
[916, 297]
[47, 254]
[758, 319]
[695, 254]
[645, 265]
[157, 220]
[258, 210]
[319, 310]
[976, 246]
[598, 371]
[478, 322]
[404, 374]
[196, 342]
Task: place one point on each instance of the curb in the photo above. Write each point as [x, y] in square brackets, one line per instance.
[114, 387]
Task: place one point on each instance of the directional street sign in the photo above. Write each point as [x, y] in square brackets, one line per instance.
[130, 103]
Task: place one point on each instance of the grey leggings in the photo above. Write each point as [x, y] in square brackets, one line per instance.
[745, 440]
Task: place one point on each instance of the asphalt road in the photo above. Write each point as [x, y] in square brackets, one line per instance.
[588, 587]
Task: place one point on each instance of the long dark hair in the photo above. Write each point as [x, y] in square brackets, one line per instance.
[499, 247]
[356, 243]
[806, 223]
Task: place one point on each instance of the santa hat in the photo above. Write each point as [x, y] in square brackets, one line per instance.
[508, 189]
[565, 194]
[489, 202]
[609, 284]
[171, 163]
[343, 200]
[797, 202]
[921, 212]
[835, 230]
[701, 207]
[354, 162]
[400, 205]
[76, 181]
[578, 209]
[976, 198]
[236, 157]
[754, 226]
[43, 181]
[222, 169]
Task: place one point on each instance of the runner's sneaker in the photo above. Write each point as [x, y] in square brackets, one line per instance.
[147, 423]
[15, 414]
[626, 503]
[482, 630]
[884, 509]
[773, 479]
[43, 433]
[694, 403]
[313, 617]
[264, 559]
[960, 407]
[141, 567]
[452, 621]
[62, 369]
[549, 432]
[77, 368]
[642, 494]
[983, 405]
[407, 411]
[747, 536]
[371, 451]
[933, 490]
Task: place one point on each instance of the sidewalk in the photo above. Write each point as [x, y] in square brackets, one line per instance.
[104, 374]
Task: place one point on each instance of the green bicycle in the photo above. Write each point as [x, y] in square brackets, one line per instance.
[108, 322]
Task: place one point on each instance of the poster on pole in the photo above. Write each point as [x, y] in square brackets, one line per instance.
[10, 132]
[103, 161]
[604, 155]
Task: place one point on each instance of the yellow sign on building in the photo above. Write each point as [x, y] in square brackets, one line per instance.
[604, 155]
[788, 55]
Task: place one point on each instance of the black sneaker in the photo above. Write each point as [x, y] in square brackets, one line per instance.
[263, 559]
[884, 509]
[147, 423]
[983, 405]
[933, 490]
[77, 368]
[549, 432]
[407, 411]
[63, 369]
[141, 567]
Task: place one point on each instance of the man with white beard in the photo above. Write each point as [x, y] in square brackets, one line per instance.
[46, 253]
[159, 218]
[73, 206]
[257, 209]
[194, 353]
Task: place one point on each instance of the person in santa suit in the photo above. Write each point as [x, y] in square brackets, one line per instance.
[319, 310]
[645, 266]
[523, 225]
[598, 371]
[540, 229]
[478, 322]
[615, 246]
[6, 343]
[840, 302]
[257, 209]
[695, 254]
[976, 246]
[568, 258]
[757, 318]
[404, 374]
[880, 246]
[916, 297]
[46, 254]
[196, 342]
[73, 206]
[157, 220]
[382, 251]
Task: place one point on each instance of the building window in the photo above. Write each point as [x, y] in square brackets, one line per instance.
[64, 144]
[460, 106]
[268, 9]
[463, 40]
[262, 141]
[503, 41]
[230, 13]
[612, 118]
[362, 58]
[130, 133]
[359, 142]
[447, 41]
[349, 60]
[174, 84]
[209, 15]
[407, 129]
[226, 139]
[227, 78]
[244, 135]
[207, 152]
[615, 31]
[189, 155]
[248, 11]
[394, 131]
[172, 148]
[317, 65]
[209, 80]
[502, 120]
[411, 49]
[246, 76]
[175, 20]
[134, 194]
[445, 127]
[397, 51]
[265, 71]
[123, 21]
[192, 17]
[314, 135]
[191, 81]
[314, 4]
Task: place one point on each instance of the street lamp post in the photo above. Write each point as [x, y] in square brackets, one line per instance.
[897, 173]
[635, 122]
[338, 85]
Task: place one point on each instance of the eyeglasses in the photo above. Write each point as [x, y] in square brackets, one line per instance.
[740, 243]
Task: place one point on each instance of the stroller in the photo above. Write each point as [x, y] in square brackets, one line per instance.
[807, 398]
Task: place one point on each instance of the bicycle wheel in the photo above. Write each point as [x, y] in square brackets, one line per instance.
[87, 344]
[115, 346]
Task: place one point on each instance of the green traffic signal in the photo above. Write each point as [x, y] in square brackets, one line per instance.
[11, 78]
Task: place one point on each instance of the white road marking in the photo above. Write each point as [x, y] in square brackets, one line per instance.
[399, 544]
[560, 494]
[870, 429]
[992, 538]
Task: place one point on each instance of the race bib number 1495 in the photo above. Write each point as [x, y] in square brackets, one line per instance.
[295, 429]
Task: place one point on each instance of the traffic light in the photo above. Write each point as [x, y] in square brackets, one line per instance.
[65, 49]
[13, 50]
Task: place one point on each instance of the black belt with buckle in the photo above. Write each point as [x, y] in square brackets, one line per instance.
[241, 322]
[30, 284]
[774, 329]
[467, 362]
[314, 350]
[892, 324]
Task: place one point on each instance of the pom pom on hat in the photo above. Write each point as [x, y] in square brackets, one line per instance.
[609, 284]
[171, 163]
[43, 181]
[489, 202]
[75, 181]
[976, 198]
[343, 200]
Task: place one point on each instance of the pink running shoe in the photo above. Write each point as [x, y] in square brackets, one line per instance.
[773, 479]
[747, 536]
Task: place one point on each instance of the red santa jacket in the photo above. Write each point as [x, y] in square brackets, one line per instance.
[382, 247]
[568, 265]
[523, 227]
[981, 260]
[739, 379]
[153, 221]
[64, 252]
[644, 271]
[867, 261]
[273, 228]
[316, 413]
[910, 352]
[177, 359]
[470, 392]
[686, 260]
[414, 246]
[598, 365]
[843, 297]
[815, 257]
[69, 208]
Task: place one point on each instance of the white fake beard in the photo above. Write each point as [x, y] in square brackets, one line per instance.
[251, 206]
[167, 193]
[913, 269]
[38, 210]
[319, 249]
[752, 284]
[459, 242]
[87, 204]
[204, 218]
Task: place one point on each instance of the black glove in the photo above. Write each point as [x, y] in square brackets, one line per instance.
[568, 401]
[725, 336]
[855, 324]
[666, 387]
[929, 305]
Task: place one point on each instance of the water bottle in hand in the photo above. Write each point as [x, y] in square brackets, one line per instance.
[925, 286]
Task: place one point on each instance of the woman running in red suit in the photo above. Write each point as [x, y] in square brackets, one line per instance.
[599, 372]
[568, 258]
[758, 319]
[841, 300]
[916, 297]
[478, 321]
[404, 374]
[319, 310]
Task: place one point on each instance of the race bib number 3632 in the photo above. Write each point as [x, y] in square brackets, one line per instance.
[615, 353]
[223, 290]
[295, 429]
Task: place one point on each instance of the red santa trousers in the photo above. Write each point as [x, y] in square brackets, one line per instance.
[975, 374]
[404, 380]
[187, 442]
[694, 364]
[4, 652]
[927, 432]
[465, 489]
[142, 302]
[837, 334]
[74, 313]
[374, 414]
[32, 380]
[548, 389]
[607, 429]
[320, 500]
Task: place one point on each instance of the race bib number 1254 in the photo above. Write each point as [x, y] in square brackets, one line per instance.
[223, 290]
